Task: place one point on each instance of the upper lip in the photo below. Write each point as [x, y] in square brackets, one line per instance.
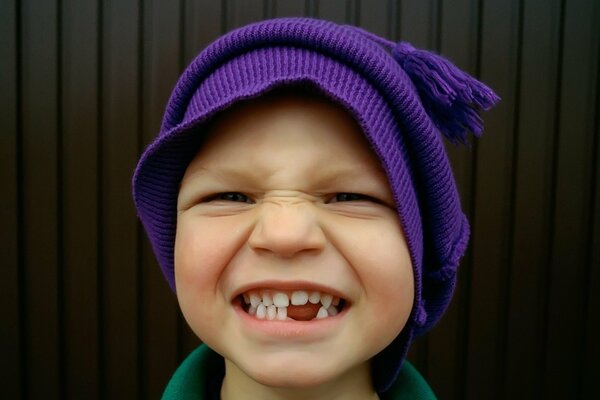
[289, 286]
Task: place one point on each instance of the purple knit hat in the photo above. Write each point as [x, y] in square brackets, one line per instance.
[401, 97]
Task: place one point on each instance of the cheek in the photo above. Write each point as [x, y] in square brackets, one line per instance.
[203, 249]
[393, 275]
[193, 257]
[389, 283]
[379, 255]
[391, 290]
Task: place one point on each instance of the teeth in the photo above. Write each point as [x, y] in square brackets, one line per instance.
[326, 300]
[271, 312]
[254, 299]
[299, 297]
[267, 299]
[261, 311]
[314, 297]
[281, 313]
[272, 305]
[322, 313]
[281, 299]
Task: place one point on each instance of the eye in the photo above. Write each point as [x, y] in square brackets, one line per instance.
[236, 197]
[342, 197]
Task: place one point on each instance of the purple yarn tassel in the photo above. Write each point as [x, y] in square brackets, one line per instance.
[451, 97]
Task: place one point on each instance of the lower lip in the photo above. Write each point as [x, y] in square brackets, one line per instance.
[307, 330]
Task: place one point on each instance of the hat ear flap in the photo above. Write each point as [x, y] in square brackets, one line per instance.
[451, 97]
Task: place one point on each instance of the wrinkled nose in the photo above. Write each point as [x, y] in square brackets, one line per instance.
[287, 229]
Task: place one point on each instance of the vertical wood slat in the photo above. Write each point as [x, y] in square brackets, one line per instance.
[203, 24]
[333, 10]
[374, 16]
[80, 249]
[591, 346]
[572, 211]
[242, 12]
[40, 199]
[119, 230]
[161, 68]
[530, 245]
[492, 196]
[286, 8]
[10, 334]
[446, 347]
[418, 23]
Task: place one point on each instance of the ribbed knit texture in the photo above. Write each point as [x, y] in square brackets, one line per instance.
[364, 74]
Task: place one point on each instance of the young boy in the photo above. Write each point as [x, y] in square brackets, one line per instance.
[301, 205]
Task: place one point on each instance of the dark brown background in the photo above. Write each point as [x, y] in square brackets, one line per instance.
[85, 312]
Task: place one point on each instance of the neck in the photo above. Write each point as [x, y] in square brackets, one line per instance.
[352, 385]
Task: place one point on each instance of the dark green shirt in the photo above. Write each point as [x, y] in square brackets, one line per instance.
[192, 380]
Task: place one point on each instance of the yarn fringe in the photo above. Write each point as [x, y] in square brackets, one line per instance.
[451, 97]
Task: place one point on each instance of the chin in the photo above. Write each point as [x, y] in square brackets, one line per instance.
[295, 372]
[291, 378]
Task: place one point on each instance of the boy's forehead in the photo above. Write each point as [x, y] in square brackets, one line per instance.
[295, 94]
[287, 108]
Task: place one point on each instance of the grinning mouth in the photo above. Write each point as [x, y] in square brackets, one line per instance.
[296, 305]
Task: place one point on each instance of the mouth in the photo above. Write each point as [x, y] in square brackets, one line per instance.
[292, 305]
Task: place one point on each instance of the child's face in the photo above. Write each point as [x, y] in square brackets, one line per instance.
[285, 196]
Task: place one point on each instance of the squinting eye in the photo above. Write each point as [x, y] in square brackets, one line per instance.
[350, 197]
[230, 196]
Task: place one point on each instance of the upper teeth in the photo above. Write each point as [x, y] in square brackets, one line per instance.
[272, 304]
[299, 297]
[280, 299]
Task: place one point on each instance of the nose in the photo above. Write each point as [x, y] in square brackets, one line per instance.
[287, 229]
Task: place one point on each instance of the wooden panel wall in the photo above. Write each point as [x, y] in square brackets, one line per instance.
[85, 312]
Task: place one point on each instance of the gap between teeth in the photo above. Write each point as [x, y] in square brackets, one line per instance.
[272, 305]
